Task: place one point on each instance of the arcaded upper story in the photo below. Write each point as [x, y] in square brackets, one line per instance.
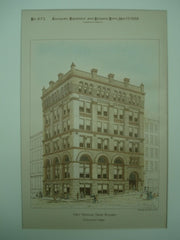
[94, 85]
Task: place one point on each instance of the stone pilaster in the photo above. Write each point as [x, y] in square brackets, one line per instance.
[94, 116]
[111, 119]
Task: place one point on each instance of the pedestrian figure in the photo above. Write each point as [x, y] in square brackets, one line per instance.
[94, 199]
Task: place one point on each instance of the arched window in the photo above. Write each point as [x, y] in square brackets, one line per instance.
[102, 167]
[56, 168]
[84, 167]
[66, 169]
[118, 168]
[47, 170]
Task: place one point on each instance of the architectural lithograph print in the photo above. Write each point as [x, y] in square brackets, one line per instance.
[94, 119]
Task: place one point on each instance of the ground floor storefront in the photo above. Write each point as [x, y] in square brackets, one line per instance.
[78, 189]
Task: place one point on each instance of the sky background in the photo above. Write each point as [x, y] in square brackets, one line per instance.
[135, 59]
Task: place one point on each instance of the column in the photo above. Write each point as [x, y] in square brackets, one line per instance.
[111, 119]
[126, 129]
[75, 170]
[126, 122]
[94, 170]
[141, 124]
[60, 119]
[94, 116]
[94, 188]
[51, 123]
[111, 188]
[74, 113]
[111, 172]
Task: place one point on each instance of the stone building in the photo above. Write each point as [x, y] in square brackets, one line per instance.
[93, 135]
[151, 154]
[36, 165]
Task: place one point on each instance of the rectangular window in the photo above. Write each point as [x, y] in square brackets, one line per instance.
[103, 91]
[115, 95]
[130, 131]
[121, 114]
[58, 129]
[121, 145]
[99, 144]
[102, 188]
[105, 127]
[98, 91]
[118, 188]
[81, 141]
[99, 171]
[85, 87]
[115, 113]
[135, 116]
[68, 124]
[64, 143]
[81, 171]
[81, 106]
[107, 92]
[115, 145]
[130, 116]
[105, 111]
[105, 144]
[87, 170]
[90, 88]
[65, 109]
[81, 124]
[80, 86]
[88, 107]
[68, 108]
[130, 147]
[65, 126]
[68, 144]
[99, 128]
[99, 112]
[121, 130]
[105, 188]
[136, 147]
[115, 129]
[88, 142]
[135, 132]
[55, 131]
[88, 124]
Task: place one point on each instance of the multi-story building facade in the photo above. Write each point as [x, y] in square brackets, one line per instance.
[93, 135]
[151, 154]
[36, 165]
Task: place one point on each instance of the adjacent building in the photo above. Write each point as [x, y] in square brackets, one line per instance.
[36, 165]
[151, 154]
[93, 135]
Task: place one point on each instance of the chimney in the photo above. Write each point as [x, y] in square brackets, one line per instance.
[142, 87]
[94, 72]
[51, 83]
[126, 81]
[60, 76]
[73, 66]
[111, 76]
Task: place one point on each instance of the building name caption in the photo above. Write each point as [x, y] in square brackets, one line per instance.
[101, 217]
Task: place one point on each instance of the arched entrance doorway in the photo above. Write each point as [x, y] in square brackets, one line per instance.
[133, 181]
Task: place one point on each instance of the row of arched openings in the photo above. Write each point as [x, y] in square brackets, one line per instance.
[85, 168]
